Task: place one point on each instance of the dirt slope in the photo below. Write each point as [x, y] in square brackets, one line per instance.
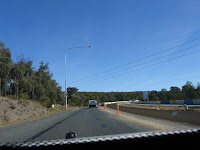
[18, 110]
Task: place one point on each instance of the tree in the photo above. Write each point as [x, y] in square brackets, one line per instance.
[20, 74]
[5, 63]
[22, 79]
[60, 97]
[71, 91]
[153, 96]
[75, 100]
[188, 90]
[175, 90]
[198, 91]
[163, 94]
[175, 93]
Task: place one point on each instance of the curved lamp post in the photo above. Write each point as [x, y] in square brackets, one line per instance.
[66, 73]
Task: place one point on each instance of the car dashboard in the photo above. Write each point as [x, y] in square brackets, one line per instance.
[154, 139]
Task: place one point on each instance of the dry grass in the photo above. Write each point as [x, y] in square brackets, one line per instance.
[12, 111]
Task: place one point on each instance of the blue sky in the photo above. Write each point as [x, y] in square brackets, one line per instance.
[120, 31]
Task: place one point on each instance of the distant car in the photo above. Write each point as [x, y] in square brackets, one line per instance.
[92, 103]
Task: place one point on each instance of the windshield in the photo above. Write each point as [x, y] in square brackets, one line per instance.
[97, 67]
[92, 102]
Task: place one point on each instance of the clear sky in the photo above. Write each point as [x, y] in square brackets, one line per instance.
[120, 31]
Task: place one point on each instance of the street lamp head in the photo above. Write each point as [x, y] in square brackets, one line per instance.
[89, 46]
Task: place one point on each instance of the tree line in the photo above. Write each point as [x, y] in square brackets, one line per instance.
[21, 80]
[188, 91]
[76, 98]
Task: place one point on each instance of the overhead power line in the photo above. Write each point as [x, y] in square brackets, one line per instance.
[135, 61]
[141, 68]
[98, 77]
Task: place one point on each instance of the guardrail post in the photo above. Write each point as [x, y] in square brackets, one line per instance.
[117, 108]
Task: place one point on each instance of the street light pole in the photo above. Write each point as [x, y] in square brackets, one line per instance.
[65, 83]
[66, 73]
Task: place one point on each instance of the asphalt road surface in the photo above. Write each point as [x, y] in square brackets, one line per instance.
[85, 122]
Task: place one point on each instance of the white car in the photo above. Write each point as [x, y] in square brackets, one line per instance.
[92, 103]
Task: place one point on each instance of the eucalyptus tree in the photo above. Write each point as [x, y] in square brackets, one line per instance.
[5, 64]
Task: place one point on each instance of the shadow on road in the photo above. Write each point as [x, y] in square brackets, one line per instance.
[51, 127]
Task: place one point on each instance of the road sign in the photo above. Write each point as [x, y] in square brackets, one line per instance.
[146, 95]
[65, 94]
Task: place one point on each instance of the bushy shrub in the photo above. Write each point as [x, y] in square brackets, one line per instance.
[46, 102]
[24, 96]
[74, 101]
[12, 96]
[12, 106]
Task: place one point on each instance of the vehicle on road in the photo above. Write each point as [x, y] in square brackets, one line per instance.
[92, 103]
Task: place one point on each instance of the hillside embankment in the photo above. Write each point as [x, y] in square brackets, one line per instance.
[21, 109]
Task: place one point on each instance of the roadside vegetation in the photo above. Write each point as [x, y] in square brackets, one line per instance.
[187, 92]
[15, 110]
[20, 80]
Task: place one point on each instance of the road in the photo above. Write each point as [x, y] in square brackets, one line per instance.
[85, 122]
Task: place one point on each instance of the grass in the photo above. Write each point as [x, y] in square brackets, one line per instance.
[12, 106]
[25, 101]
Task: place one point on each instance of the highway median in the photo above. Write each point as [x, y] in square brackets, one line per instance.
[188, 117]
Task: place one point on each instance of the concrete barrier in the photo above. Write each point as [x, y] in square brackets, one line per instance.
[172, 101]
[188, 102]
[196, 102]
[165, 102]
[178, 102]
